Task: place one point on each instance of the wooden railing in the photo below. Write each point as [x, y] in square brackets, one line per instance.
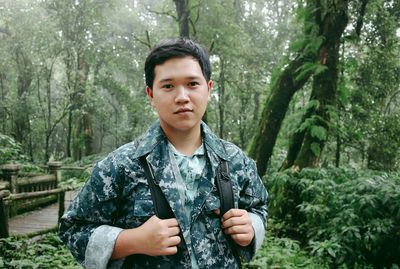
[19, 194]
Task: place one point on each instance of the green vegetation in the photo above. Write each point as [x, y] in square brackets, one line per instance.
[46, 252]
[283, 253]
[343, 216]
[49, 252]
[310, 88]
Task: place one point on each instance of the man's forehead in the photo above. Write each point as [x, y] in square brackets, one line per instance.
[182, 68]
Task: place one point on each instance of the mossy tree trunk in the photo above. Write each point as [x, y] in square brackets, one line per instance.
[309, 145]
[274, 112]
[324, 24]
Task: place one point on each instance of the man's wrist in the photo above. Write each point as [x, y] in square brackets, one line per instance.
[128, 242]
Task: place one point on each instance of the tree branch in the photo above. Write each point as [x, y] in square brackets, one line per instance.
[168, 13]
[390, 101]
[360, 19]
[147, 43]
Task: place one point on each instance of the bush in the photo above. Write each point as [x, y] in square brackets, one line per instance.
[10, 149]
[344, 216]
[45, 252]
[283, 253]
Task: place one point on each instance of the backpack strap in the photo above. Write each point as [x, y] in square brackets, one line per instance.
[224, 186]
[225, 189]
[161, 205]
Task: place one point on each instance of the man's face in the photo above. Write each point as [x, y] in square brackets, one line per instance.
[180, 94]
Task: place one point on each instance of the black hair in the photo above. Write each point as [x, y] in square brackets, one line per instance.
[176, 48]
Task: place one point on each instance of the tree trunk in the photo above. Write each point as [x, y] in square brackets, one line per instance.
[295, 144]
[183, 12]
[338, 150]
[3, 112]
[324, 90]
[83, 138]
[69, 133]
[282, 91]
[25, 76]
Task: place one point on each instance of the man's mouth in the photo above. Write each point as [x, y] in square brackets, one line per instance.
[183, 110]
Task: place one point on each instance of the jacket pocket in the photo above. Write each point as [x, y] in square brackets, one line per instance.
[143, 208]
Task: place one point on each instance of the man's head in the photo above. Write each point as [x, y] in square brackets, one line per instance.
[176, 48]
[178, 85]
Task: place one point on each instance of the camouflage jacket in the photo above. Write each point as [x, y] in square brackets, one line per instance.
[117, 197]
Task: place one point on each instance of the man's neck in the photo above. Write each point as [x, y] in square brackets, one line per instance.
[186, 142]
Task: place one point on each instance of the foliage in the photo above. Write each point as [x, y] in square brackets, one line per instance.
[283, 253]
[45, 252]
[10, 150]
[384, 149]
[345, 216]
[76, 179]
[49, 252]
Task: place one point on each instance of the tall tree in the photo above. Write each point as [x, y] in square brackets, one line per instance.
[306, 147]
[77, 21]
[286, 83]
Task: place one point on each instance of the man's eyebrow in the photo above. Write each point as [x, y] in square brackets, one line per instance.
[165, 80]
[193, 77]
[187, 78]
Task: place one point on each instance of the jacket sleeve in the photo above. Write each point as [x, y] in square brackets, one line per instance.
[253, 198]
[93, 209]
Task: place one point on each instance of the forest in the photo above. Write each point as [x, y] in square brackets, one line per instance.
[310, 89]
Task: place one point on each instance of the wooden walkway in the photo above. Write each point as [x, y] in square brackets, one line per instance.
[43, 219]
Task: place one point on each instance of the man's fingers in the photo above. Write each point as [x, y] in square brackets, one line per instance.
[234, 221]
[234, 212]
[171, 222]
[170, 251]
[242, 229]
[173, 241]
[173, 231]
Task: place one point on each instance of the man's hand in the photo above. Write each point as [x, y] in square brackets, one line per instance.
[155, 237]
[160, 237]
[237, 223]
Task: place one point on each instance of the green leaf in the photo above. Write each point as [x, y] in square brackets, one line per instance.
[344, 94]
[320, 68]
[306, 69]
[312, 104]
[318, 132]
[331, 252]
[316, 150]
[297, 45]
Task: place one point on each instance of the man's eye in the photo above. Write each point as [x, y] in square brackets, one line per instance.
[167, 86]
[193, 83]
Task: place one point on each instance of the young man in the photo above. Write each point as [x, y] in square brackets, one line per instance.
[112, 223]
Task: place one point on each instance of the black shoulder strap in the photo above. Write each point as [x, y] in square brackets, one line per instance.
[161, 205]
[224, 186]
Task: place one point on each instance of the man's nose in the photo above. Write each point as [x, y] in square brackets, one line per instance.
[182, 94]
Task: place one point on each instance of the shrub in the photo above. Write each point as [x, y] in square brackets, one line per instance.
[44, 252]
[10, 149]
[283, 253]
[345, 216]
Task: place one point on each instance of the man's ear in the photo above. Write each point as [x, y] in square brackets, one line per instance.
[209, 85]
[149, 92]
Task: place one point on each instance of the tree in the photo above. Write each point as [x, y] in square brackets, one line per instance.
[285, 84]
[306, 148]
[77, 21]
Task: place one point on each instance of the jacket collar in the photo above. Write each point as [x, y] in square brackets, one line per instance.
[155, 135]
